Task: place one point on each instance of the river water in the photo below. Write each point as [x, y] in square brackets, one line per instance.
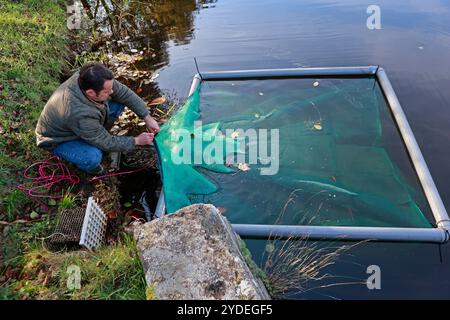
[412, 45]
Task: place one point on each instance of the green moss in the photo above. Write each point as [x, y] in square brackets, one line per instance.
[150, 293]
[257, 271]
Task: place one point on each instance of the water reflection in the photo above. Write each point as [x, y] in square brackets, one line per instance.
[154, 21]
[140, 31]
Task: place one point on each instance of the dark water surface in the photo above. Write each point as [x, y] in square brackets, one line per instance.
[413, 47]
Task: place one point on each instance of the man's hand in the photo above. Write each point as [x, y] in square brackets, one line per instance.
[152, 125]
[143, 139]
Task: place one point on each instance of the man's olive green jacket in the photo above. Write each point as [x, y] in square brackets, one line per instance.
[70, 115]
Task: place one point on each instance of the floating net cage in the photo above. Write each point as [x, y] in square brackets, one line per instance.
[323, 153]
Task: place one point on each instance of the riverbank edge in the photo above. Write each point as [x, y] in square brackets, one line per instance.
[34, 54]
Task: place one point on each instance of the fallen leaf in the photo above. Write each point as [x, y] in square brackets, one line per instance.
[157, 101]
[34, 215]
[154, 76]
[12, 273]
[134, 214]
[243, 166]
[46, 280]
[127, 205]
[41, 277]
[270, 247]
[318, 126]
[112, 214]
[235, 134]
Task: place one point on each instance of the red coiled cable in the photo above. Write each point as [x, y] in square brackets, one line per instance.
[54, 174]
[47, 176]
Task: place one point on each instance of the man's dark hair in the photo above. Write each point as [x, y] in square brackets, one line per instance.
[93, 75]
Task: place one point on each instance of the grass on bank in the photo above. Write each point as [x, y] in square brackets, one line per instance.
[110, 273]
[33, 52]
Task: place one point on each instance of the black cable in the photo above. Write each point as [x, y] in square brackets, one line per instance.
[198, 70]
[378, 67]
[375, 80]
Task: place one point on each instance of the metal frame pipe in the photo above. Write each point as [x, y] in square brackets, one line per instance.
[195, 83]
[420, 166]
[292, 72]
[340, 233]
[439, 234]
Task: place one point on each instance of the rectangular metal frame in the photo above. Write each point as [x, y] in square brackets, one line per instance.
[439, 234]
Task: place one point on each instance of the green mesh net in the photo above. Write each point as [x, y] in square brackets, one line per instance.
[180, 178]
[341, 159]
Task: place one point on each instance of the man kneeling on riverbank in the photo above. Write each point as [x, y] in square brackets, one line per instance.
[72, 124]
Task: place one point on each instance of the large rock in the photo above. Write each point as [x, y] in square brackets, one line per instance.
[194, 254]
